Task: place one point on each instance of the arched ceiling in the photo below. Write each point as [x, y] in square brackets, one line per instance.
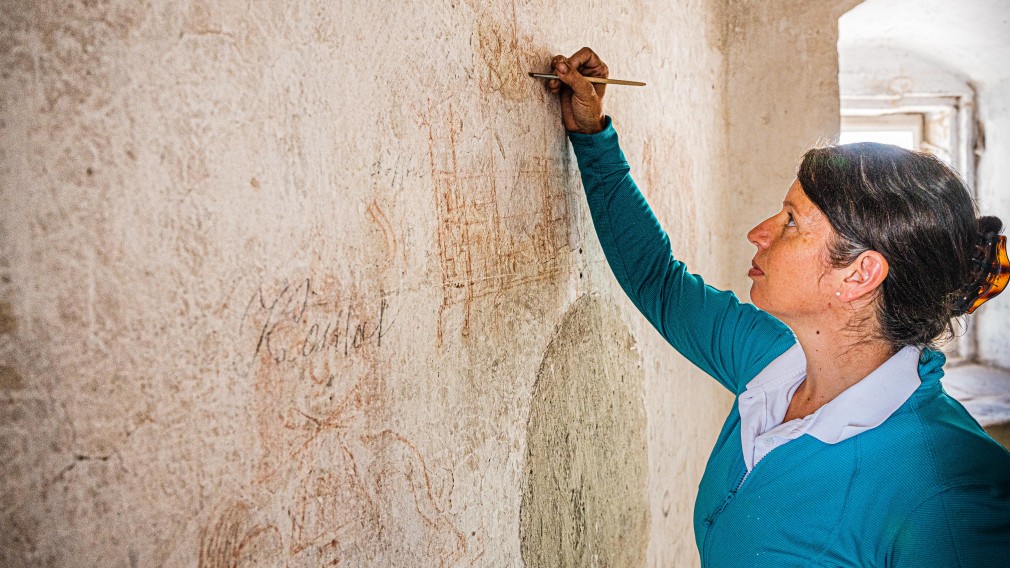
[971, 37]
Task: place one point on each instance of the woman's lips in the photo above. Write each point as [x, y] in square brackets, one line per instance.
[754, 270]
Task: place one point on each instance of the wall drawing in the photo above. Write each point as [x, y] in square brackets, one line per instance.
[501, 225]
[332, 483]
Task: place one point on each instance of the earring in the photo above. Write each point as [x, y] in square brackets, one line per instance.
[838, 293]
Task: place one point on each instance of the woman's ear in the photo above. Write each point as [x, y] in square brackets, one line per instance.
[864, 276]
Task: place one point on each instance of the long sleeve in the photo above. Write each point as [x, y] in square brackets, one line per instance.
[966, 526]
[729, 340]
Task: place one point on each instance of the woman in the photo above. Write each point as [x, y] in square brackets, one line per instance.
[842, 448]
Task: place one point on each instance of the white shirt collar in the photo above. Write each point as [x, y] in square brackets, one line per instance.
[863, 406]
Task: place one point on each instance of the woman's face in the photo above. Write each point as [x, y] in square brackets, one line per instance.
[792, 276]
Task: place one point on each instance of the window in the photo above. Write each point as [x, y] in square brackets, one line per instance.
[941, 124]
[903, 130]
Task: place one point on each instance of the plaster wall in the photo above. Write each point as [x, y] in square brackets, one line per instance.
[872, 70]
[278, 279]
[290, 284]
[969, 37]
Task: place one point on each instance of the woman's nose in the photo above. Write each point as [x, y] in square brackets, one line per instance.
[759, 234]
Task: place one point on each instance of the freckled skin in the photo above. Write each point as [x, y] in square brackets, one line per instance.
[797, 281]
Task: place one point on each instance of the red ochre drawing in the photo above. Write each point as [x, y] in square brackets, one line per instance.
[379, 217]
[489, 242]
[234, 539]
[332, 483]
[507, 55]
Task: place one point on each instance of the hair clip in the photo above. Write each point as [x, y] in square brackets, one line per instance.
[996, 266]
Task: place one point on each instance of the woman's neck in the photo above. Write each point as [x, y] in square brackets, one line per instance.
[835, 361]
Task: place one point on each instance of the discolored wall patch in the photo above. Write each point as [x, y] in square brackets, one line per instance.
[8, 323]
[10, 379]
[585, 502]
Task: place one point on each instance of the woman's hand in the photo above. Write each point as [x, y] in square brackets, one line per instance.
[581, 101]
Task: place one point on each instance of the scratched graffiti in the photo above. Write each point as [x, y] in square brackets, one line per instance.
[333, 483]
[235, 539]
[500, 226]
[316, 347]
[506, 54]
[289, 332]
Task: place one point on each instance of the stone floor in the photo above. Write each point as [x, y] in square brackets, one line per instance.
[985, 392]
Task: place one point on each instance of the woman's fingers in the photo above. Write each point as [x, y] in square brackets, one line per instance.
[570, 76]
[590, 65]
[581, 101]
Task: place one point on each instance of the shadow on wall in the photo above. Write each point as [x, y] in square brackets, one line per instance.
[585, 501]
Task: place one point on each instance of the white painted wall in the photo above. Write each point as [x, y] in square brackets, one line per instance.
[873, 70]
[968, 36]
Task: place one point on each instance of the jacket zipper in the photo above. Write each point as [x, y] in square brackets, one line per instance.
[710, 521]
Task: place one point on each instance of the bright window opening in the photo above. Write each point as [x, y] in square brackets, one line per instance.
[903, 130]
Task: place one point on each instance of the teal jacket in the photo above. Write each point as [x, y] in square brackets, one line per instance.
[927, 488]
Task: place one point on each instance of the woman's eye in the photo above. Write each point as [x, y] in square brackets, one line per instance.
[792, 222]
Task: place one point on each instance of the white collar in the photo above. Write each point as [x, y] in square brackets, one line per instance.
[864, 405]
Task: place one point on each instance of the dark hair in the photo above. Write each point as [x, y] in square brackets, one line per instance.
[915, 211]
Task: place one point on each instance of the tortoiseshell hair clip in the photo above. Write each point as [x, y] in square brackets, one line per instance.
[996, 266]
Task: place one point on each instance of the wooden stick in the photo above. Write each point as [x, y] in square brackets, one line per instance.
[591, 79]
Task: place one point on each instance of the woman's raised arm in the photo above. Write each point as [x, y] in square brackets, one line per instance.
[727, 339]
